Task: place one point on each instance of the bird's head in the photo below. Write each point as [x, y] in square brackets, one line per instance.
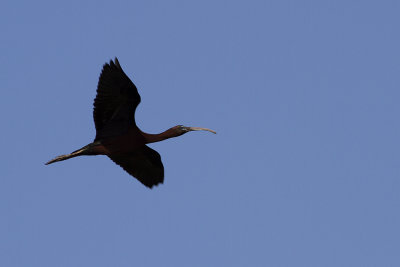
[180, 129]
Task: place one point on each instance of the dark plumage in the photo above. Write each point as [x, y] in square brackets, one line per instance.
[117, 134]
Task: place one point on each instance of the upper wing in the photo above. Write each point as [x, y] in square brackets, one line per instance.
[143, 163]
[115, 103]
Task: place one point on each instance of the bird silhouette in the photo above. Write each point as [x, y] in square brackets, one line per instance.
[117, 135]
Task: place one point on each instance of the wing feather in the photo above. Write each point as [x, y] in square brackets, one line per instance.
[144, 164]
[115, 103]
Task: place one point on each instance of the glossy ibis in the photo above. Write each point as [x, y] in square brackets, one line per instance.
[117, 134]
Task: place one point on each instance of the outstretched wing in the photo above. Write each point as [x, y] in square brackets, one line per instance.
[115, 103]
[143, 163]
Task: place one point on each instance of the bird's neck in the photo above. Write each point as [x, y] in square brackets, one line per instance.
[152, 138]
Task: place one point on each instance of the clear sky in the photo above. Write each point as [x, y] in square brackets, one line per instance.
[304, 170]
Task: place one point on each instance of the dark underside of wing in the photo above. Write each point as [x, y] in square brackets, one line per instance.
[115, 103]
[144, 164]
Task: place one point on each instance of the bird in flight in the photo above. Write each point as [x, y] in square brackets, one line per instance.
[118, 136]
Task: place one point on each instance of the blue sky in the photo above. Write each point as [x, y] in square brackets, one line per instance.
[304, 170]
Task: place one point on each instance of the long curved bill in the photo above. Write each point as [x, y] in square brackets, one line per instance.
[200, 129]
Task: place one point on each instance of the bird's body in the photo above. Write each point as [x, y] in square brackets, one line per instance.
[132, 140]
[117, 135]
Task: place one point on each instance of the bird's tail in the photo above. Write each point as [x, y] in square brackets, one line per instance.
[79, 152]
